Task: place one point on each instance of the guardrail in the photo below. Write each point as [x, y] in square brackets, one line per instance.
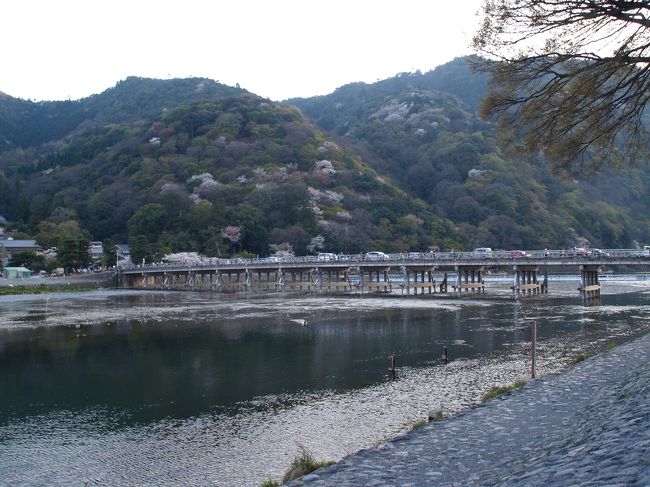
[516, 257]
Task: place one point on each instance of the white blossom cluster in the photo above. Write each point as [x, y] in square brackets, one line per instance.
[327, 146]
[316, 195]
[476, 173]
[325, 166]
[343, 215]
[393, 111]
[170, 188]
[207, 184]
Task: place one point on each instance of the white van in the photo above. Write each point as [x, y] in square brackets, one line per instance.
[326, 256]
[376, 256]
[482, 252]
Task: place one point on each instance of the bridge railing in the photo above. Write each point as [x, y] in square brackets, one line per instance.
[516, 256]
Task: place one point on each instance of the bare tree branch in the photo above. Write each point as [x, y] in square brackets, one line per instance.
[570, 78]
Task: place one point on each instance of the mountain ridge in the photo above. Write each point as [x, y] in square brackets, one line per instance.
[401, 164]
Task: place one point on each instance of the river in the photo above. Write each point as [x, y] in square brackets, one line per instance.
[150, 388]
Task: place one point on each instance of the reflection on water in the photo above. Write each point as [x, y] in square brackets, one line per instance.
[190, 388]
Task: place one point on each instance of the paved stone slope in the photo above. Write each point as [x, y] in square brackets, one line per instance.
[589, 425]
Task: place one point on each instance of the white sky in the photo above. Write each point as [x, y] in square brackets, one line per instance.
[58, 49]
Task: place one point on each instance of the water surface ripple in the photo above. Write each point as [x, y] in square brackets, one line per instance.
[173, 388]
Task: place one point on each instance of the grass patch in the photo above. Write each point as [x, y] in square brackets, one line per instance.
[270, 483]
[497, 391]
[52, 288]
[420, 423]
[302, 465]
[581, 358]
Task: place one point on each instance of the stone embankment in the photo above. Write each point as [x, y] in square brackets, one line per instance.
[589, 425]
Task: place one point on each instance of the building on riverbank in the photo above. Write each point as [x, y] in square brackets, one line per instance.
[16, 273]
[9, 247]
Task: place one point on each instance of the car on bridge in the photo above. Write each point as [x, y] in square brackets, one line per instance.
[375, 256]
[576, 252]
[326, 256]
[482, 252]
[519, 254]
[599, 253]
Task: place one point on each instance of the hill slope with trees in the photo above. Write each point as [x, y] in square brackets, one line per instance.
[403, 164]
[172, 166]
[422, 131]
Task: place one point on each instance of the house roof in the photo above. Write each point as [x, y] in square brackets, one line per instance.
[17, 269]
[19, 244]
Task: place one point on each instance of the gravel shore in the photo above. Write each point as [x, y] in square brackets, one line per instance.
[588, 425]
[92, 277]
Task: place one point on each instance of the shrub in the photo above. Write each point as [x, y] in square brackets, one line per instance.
[582, 357]
[420, 423]
[302, 465]
[497, 391]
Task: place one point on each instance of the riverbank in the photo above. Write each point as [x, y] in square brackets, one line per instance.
[588, 424]
[143, 387]
[43, 285]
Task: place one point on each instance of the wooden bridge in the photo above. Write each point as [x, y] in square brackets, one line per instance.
[459, 273]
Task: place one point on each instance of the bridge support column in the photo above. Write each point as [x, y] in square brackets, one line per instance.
[382, 283]
[419, 277]
[444, 284]
[525, 282]
[216, 283]
[464, 274]
[279, 282]
[589, 284]
[408, 283]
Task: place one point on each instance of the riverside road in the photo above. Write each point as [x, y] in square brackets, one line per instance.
[589, 425]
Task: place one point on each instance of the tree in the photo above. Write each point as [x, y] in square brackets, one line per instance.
[73, 253]
[150, 220]
[570, 78]
[139, 249]
[315, 244]
[30, 260]
[109, 256]
[232, 234]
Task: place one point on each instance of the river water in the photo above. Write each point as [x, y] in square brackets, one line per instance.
[150, 388]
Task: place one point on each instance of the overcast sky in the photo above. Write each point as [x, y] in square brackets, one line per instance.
[54, 50]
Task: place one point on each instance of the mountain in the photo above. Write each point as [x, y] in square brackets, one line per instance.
[181, 165]
[24, 123]
[399, 165]
[422, 131]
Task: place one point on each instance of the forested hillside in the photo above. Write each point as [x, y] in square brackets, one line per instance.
[403, 164]
[422, 131]
[232, 173]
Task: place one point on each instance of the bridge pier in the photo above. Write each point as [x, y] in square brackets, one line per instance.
[526, 282]
[444, 284]
[334, 279]
[589, 283]
[426, 282]
[469, 278]
[377, 285]
[216, 282]
[300, 279]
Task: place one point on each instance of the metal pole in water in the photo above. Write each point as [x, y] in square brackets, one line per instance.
[391, 365]
[444, 354]
[533, 349]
